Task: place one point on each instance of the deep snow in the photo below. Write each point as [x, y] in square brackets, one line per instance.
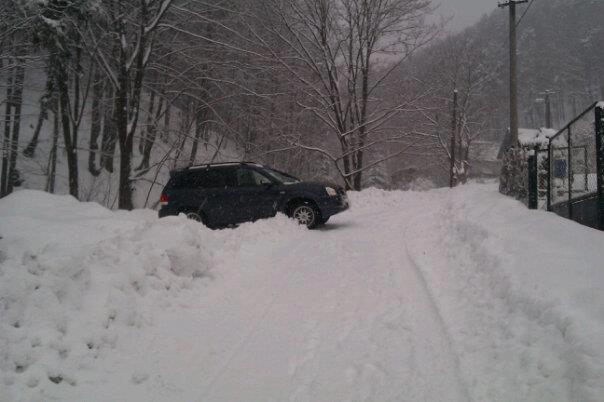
[434, 296]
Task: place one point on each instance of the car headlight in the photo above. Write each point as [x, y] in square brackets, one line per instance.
[331, 191]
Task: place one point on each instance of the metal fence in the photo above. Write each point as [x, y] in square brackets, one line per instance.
[538, 178]
[576, 163]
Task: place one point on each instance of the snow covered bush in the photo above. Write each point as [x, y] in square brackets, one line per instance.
[514, 174]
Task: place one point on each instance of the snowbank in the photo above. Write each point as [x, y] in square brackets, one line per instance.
[76, 279]
[522, 294]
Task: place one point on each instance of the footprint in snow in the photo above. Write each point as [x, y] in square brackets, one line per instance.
[139, 378]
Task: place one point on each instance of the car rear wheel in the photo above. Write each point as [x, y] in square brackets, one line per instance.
[306, 214]
[194, 216]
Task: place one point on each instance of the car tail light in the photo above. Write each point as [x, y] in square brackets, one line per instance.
[163, 200]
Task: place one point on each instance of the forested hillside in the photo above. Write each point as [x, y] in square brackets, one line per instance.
[559, 51]
[100, 99]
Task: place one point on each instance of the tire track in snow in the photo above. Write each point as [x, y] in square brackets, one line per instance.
[419, 279]
[436, 312]
[426, 330]
[248, 335]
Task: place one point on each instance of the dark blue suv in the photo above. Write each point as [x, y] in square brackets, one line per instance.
[225, 194]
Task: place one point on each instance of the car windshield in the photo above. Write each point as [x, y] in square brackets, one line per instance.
[281, 177]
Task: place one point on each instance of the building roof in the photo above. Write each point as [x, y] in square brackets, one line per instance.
[528, 137]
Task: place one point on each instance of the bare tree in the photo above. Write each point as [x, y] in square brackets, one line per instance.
[341, 52]
[14, 28]
[123, 52]
[458, 65]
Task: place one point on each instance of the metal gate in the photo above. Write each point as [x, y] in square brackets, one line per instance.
[576, 169]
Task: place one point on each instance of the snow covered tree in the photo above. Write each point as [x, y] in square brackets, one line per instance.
[121, 38]
[56, 31]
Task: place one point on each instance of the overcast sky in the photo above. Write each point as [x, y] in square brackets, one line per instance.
[465, 12]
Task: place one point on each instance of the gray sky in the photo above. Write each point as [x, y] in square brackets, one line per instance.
[465, 12]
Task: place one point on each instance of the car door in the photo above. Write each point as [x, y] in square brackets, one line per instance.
[218, 194]
[258, 194]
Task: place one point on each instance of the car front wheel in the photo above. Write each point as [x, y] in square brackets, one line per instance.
[307, 215]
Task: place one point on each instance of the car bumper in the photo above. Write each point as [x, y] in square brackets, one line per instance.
[166, 211]
[333, 205]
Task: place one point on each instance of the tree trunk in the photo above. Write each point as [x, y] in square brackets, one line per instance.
[143, 140]
[109, 137]
[52, 159]
[17, 104]
[30, 150]
[186, 121]
[126, 146]
[360, 154]
[70, 150]
[358, 176]
[150, 137]
[7, 135]
[346, 160]
[200, 126]
[75, 126]
[95, 123]
[125, 140]
[166, 131]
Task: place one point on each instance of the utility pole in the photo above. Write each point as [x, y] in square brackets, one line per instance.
[548, 110]
[452, 180]
[513, 70]
[547, 102]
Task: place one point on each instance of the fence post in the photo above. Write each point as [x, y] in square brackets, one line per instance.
[600, 162]
[533, 172]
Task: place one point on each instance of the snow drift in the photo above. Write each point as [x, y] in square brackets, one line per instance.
[75, 277]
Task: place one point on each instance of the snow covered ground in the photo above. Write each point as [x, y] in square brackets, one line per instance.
[433, 296]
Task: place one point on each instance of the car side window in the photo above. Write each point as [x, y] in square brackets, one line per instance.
[248, 177]
[183, 181]
[216, 178]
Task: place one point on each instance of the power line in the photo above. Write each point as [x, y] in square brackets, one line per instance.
[525, 11]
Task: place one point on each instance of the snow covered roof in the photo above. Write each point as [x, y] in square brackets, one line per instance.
[530, 137]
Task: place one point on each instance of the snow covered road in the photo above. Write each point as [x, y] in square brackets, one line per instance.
[435, 296]
[326, 315]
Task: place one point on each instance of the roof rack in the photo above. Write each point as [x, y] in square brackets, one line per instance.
[208, 165]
